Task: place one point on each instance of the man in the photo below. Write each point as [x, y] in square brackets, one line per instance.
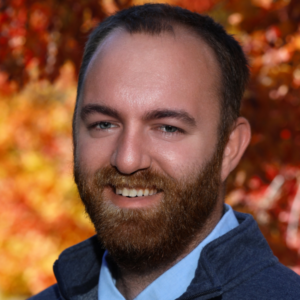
[156, 133]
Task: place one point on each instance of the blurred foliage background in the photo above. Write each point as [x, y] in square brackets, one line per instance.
[41, 43]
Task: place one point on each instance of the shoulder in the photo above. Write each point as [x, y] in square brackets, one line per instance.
[251, 269]
[51, 293]
[273, 282]
[76, 271]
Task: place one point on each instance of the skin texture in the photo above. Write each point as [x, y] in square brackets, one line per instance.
[134, 76]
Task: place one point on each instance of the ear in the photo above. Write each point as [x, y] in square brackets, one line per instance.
[237, 143]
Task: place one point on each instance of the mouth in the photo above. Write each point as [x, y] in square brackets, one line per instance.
[133, 197]
[135, 192]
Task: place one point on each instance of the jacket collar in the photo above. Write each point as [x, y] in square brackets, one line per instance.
[77, 270]
[223, 264]
[229, 260]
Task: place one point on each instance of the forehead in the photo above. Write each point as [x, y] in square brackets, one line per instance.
[141, 70]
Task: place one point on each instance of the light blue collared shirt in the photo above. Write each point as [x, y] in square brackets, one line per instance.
[179, 276]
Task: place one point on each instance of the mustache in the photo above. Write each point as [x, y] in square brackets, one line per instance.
[110, 176]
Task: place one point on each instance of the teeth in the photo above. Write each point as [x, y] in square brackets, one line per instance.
[132, 193]
[125, 192]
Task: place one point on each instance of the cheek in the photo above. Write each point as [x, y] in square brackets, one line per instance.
[182, 158]
[93, 153]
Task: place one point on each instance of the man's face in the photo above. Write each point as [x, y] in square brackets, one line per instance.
[147, 126]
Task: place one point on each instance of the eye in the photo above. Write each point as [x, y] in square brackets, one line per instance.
[102, 125]
[170, 129]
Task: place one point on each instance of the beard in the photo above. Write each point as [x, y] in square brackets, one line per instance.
[143, 238]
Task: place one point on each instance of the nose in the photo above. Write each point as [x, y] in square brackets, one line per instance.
[131, 153]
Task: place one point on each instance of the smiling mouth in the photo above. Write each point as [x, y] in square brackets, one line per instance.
[137, 192]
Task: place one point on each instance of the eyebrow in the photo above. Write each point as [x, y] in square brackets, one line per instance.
[149, 116]
[169, 113]
[100, 109]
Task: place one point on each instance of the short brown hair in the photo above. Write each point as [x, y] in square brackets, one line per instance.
[156, 18]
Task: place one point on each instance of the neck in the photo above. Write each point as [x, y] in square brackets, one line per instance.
[131, 283]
